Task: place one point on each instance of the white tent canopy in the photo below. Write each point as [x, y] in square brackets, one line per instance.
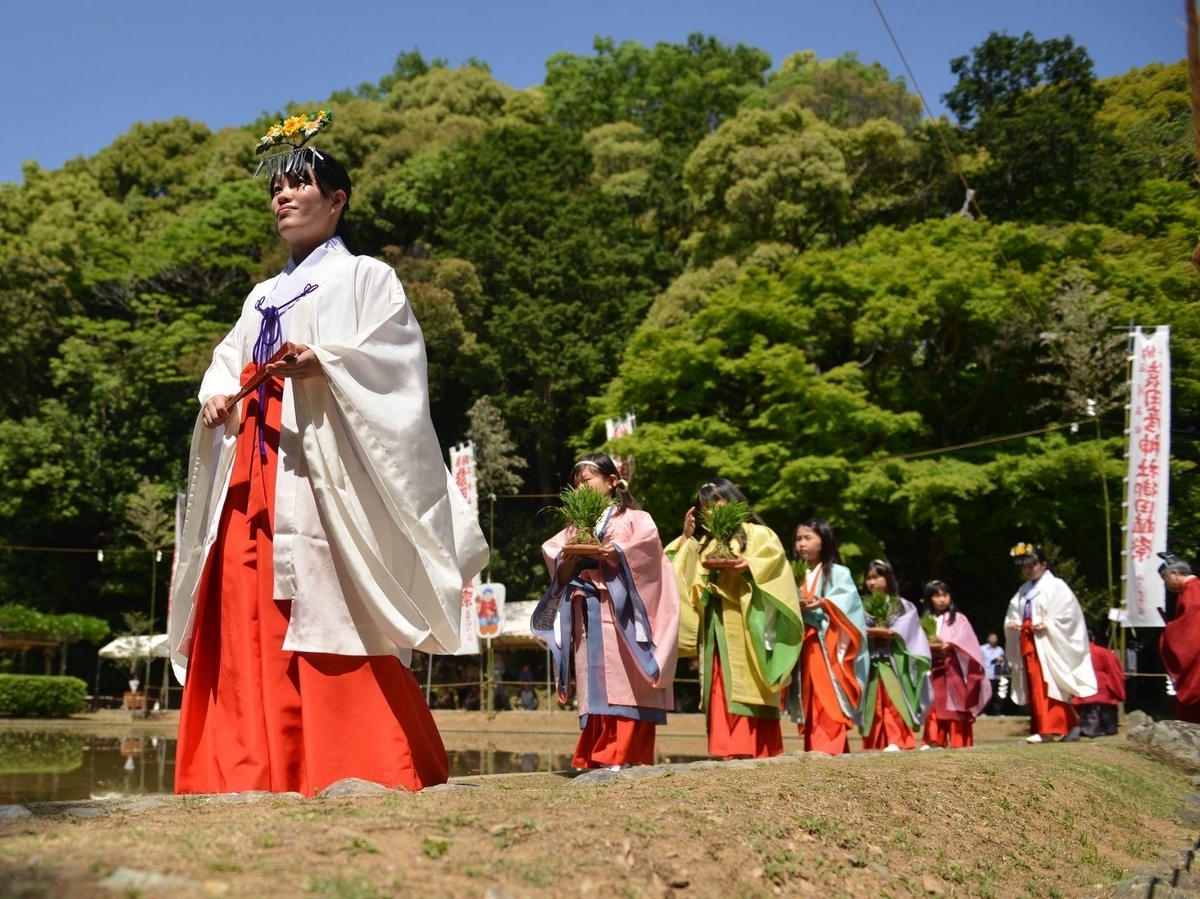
[515, 629]
[157, 646]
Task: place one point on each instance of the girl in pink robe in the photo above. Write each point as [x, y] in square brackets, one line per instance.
[615, 615]
[960, 683]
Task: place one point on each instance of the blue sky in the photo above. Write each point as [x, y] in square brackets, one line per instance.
[77, 73]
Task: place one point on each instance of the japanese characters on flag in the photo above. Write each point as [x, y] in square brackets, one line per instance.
[615, 428]
[462, 466]
[1147, 479]
[469, 622]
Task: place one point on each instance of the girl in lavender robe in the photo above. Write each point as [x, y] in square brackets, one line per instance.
[898, 690]
[615, 615]
[960, 684]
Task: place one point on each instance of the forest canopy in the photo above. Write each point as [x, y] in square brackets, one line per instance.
[769, 265]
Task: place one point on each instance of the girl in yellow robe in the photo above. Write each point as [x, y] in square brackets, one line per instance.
[744, 623]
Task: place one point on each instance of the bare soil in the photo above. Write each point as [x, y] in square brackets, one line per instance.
[1001, 820]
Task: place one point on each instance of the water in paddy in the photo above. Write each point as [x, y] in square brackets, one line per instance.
[40, 767]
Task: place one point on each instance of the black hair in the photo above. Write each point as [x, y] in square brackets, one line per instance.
[829, 550]
[329, 175]
[883, 567]
[932, 589]
[720, 490]
[604, 464]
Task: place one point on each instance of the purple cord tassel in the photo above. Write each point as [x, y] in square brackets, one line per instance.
[270, 334]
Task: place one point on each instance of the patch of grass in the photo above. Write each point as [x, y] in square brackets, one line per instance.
[361, 844]
[537, 875]
[338, 887]
[643, 827]
[781, 865]
[434, 848]
[224, 865]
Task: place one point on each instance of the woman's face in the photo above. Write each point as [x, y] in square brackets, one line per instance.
[875, 582]
[593, 478]
[1033, 569]
[939, 602]
[808, 544]
[303, 216]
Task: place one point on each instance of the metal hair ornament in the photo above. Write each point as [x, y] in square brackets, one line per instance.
[293, 132]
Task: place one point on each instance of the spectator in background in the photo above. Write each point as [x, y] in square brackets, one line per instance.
[527, 699]
[996, 667]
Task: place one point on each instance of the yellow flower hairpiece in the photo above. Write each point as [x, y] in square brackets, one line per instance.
[1022, 549]
[285, 131]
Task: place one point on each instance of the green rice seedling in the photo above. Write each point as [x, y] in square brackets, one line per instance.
[799, 570]
[929, 624]
[883, 609]
[581, 508]
[723, 521]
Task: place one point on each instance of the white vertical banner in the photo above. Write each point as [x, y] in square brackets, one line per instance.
[614, 429]
[468, 630]
[462, 466]
[1148, 476]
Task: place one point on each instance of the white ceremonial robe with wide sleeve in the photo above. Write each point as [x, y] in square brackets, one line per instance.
[1062, 647]
[372, 539]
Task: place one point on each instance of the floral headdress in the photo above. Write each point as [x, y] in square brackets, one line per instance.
[1023, 551]
[293, 133]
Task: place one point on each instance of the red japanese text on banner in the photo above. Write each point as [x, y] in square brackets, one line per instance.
[462, 467]
[1148, 475]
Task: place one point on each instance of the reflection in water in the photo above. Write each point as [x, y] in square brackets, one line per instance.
[38, 767]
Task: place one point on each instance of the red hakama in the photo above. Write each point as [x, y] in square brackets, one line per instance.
[947, 732]
[608, 740]
[825, 728]
[257, 717]
[888, 727]
[1046, 715]
[943, 726]
[738, 736]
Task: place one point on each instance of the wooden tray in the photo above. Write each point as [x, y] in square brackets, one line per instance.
[580, 549]
[720, 564]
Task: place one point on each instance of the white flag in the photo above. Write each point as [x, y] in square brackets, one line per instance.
[1148, 477]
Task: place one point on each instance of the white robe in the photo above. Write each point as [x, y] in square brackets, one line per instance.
[372, 541]
[1062, 648]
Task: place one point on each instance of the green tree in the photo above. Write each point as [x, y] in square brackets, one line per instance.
[1033, 106]
[675, 92]
[845, 92]
[566, 276]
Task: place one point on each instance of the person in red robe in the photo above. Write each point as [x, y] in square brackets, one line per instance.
[1180, 641]
[1098, 713]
